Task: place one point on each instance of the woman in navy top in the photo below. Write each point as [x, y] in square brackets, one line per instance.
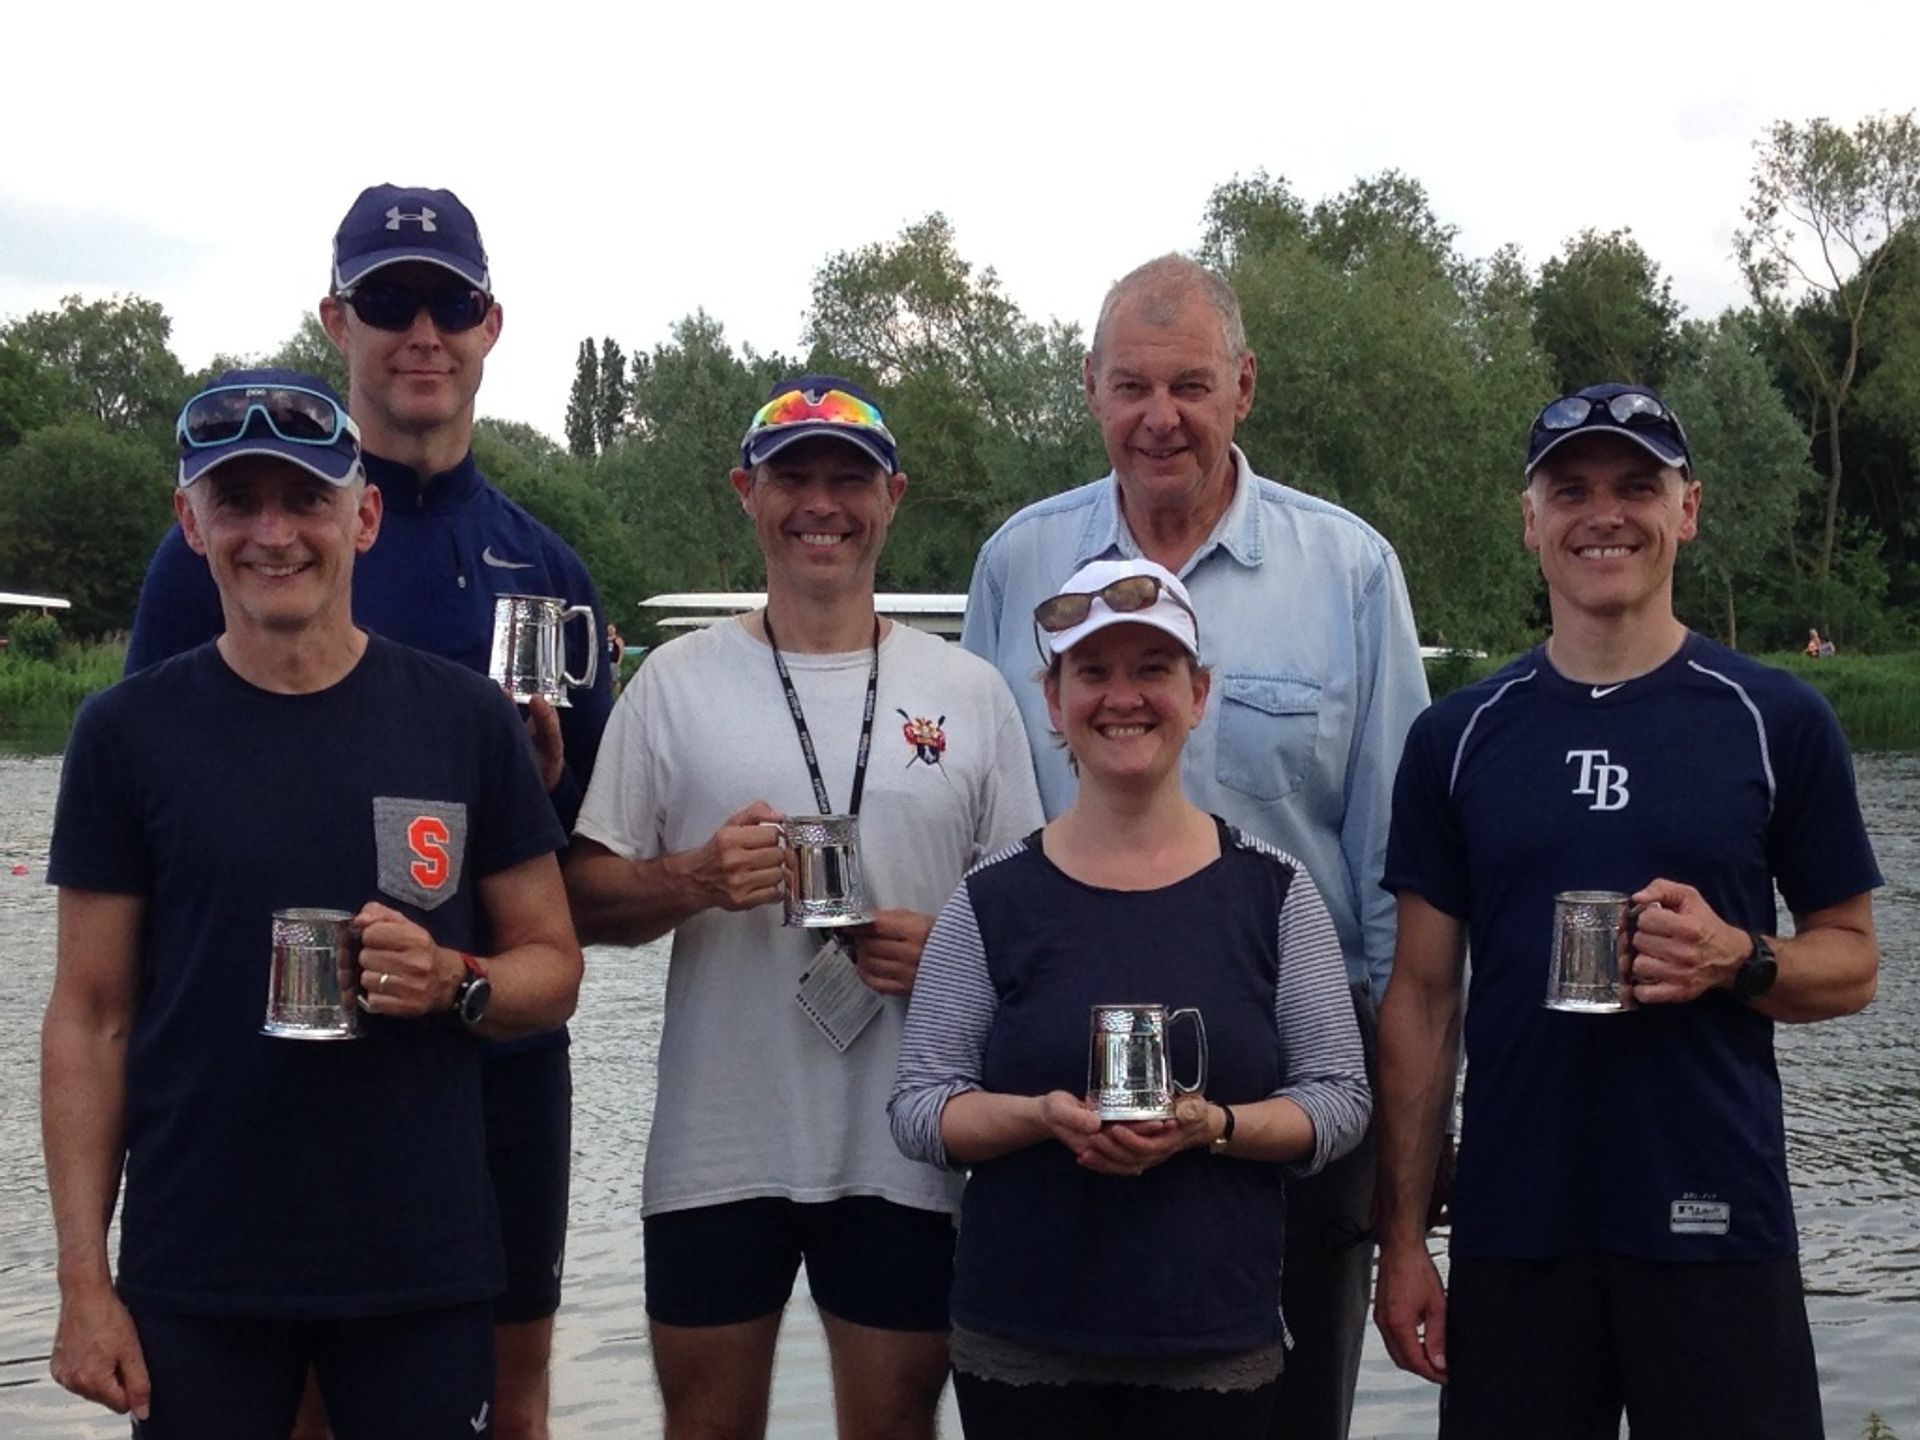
[1123, 1278]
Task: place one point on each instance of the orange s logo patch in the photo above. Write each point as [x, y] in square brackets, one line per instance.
[422, 848]
[427, 837]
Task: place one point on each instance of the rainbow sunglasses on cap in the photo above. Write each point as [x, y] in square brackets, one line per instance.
[818, 405]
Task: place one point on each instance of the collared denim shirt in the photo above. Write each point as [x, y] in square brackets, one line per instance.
[1304, 618]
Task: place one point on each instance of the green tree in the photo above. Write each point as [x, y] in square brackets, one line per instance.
[1750, 455]
[81, 508]
[114, 352]
[1824, 202]
[1603, 311]
[32, 394]
[610, 404]
[1395, 379]
[987, 404]
[583, 403]
[691, 400]
[310, 351]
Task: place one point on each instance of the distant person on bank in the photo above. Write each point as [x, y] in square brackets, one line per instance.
[1316, 678]
[1123, 1278]
[1623, 1234]
[289, 1204]
[769, 1140]
[410, 307]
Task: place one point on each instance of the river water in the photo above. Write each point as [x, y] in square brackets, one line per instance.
[1853, 1125]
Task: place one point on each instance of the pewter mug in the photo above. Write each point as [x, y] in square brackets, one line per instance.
[313, 987]
[825, 884]
[1591, 969]
[529, 647]
[1128, 1076]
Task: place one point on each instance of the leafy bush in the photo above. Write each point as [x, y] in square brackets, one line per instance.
[35, 636]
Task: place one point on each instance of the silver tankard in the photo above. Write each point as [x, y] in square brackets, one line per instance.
[1591, 969]
[529, 647]
[1128, 1077]
[313, 987]
[825, 885]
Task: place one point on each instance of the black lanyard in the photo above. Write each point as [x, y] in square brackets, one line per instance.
[806, 736]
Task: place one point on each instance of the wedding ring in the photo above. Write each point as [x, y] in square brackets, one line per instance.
[381, 988]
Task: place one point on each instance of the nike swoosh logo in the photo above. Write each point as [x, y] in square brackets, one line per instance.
[1600, 692]
[479, 1422]
[494, 560]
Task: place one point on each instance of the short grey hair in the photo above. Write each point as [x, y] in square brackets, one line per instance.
[1162, 287]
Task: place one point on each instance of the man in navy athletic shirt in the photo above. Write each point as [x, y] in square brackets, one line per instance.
[289, 1205]
[1623, 1233]
[411, 308]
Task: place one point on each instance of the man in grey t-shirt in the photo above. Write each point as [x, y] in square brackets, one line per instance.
[769, 1142]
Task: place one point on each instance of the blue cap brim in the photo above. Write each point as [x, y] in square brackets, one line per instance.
[364, 265]
[772, 441]
[1647, 438]
[335, 466]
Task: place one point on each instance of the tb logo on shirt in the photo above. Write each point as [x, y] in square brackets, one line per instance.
[1605, 782]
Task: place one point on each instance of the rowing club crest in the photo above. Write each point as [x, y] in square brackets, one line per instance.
[928, 740]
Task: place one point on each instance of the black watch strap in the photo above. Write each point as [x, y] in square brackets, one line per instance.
[1225, 1137]
[1756, 975]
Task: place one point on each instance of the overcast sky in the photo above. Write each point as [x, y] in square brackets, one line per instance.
[627, 167]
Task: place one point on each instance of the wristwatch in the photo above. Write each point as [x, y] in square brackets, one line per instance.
[1218, 1145]
[471, 995]
[1758, 971]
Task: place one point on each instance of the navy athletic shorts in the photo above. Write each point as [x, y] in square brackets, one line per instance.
[1689, 1349]
[427, 1375]
[528, 1096]
[869, 1262]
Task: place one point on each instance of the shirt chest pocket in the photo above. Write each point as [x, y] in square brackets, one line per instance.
[1269, 734]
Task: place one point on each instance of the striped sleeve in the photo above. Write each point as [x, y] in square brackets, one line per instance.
[945, 1036]
[1323, 1069]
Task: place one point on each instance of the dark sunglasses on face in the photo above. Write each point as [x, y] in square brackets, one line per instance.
[388, 305]
[304, 417]
[1125, 596]
[1629, 408]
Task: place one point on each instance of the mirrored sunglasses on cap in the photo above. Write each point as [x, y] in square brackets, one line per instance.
[390, 305]
[1129, 595]
[1630, 408]
[833, 407]
[292, 412]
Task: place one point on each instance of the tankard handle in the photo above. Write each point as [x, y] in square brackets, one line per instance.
[583, 681]
[1200, 1034]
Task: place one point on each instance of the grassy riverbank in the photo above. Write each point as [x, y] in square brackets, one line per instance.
[1877, 697]
[40, 694]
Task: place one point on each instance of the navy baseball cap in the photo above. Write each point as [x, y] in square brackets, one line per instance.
[818, 405]
[287, 414]
[1632, 412]
[392, 223]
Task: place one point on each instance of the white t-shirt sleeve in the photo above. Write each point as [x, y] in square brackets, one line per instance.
[623, 809]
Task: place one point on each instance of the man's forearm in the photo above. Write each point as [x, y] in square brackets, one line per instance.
[82, 1119]
[1417, 1041]
[535, 988]
[1825, 971]
[617, 901]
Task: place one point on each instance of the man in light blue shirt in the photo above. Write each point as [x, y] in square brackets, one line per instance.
[1305, 620]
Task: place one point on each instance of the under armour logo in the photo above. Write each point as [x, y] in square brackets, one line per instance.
[424, 219]
[1606, 783]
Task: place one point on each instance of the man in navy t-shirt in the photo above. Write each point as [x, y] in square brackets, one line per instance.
[1623, 1231]
[289, 1204]
[411, 307]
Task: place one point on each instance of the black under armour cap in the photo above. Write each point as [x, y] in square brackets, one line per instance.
[392, 223]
